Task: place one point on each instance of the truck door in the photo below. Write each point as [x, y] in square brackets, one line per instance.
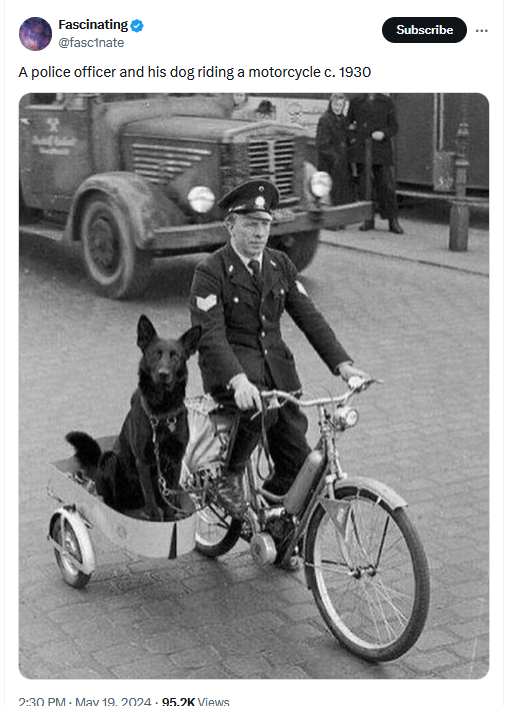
[55, 150]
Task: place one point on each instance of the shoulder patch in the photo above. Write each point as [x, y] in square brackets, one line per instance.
[301, 288]
[206, 303]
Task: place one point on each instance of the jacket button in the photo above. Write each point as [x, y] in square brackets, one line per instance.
[263, 334]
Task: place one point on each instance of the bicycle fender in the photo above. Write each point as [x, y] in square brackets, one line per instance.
[391, 497]
[78, 524]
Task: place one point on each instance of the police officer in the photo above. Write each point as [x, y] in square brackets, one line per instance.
[238, 296]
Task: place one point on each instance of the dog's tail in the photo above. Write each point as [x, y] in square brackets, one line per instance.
[87, 451]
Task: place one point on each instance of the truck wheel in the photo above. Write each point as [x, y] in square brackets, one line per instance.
[115, 266]
[299, 248]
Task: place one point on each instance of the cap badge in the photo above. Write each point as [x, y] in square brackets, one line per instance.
[260, 202]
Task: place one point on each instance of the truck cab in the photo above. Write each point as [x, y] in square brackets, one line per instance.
[133, 177]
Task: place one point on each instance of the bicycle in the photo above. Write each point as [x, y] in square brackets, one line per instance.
[364, 560]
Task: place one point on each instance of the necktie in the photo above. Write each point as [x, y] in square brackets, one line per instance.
[254, 266]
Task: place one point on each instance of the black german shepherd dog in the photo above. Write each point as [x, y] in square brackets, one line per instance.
[147, 455]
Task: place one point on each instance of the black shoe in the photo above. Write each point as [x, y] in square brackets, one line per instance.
[228, 492]
[395, 227]
[367, 225]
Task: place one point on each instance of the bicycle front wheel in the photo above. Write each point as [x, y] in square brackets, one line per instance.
[368, 572]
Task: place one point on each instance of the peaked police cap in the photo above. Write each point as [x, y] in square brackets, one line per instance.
[254, 195]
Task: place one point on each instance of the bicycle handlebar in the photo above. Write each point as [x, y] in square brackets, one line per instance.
[355, 384]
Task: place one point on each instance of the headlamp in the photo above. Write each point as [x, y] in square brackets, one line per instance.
[201, 199]
[346, 417]
[320, 184]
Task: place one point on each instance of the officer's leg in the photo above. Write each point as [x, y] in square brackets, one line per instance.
[288, 447]
[246, 436]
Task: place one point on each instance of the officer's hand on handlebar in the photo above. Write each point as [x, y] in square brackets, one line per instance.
[347, 371]
[247, 396]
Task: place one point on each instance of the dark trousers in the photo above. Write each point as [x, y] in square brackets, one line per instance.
[384, 189]
[286, 430]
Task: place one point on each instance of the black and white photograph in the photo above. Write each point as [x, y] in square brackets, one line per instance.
[213, 288]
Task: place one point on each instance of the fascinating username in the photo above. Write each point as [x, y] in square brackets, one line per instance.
[71, 42]
[88, 24]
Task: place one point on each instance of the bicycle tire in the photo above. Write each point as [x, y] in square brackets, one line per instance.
[216, 532]
[377, 607]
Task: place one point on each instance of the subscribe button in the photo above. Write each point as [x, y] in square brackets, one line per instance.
[447, 30]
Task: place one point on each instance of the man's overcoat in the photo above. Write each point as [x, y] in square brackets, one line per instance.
[241, 324]
[369, 115]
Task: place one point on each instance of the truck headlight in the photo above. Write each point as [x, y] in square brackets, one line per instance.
[320, 184]
[201, 199]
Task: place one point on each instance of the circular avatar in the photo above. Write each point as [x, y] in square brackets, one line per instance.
[35, 33]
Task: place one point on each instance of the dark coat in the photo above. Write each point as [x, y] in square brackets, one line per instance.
[369, 115]
[333, 156]
[241, 325]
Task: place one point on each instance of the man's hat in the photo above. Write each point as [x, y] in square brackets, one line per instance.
[256, 195]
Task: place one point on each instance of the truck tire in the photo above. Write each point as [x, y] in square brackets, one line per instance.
[115, 266]
[300, 248]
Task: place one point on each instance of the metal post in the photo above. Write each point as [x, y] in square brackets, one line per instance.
[460, 211]
[368, 170]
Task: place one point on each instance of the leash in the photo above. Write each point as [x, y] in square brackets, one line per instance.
[155, 420]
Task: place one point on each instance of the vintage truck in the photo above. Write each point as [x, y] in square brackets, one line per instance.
[133, 177]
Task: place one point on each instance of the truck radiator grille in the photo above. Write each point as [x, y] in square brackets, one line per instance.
[162, 163]
[273, 159]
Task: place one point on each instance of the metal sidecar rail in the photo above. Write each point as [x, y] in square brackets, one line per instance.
[82, 509]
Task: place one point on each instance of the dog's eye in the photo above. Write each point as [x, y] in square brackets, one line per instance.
[173, 355]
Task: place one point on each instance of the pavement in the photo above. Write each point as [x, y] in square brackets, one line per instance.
[425, 243]
[426, 330]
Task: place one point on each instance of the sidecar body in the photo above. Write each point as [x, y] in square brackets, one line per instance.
[81, 510]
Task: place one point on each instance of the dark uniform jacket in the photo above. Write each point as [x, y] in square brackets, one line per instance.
[370, 115]
[241, 325]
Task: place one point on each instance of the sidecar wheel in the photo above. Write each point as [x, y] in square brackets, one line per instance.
[73, 546]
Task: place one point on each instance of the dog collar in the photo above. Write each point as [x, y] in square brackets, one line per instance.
[155, 419]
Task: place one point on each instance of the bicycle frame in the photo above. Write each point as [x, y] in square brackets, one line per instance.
[331, 473]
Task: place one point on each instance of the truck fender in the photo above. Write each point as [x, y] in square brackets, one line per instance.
[147, 205]
[79, 526]
[391, 497]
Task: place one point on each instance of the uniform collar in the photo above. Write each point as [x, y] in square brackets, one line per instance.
[246, 260]
[237, 269]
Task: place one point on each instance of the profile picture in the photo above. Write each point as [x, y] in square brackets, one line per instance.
[35, 33]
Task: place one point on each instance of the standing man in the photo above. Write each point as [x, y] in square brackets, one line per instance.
[238, 296]
[373, 115]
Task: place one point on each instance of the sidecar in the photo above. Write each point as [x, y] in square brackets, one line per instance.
[81, 510]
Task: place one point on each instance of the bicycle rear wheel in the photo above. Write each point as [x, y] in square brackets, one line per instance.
[216, 532]
[368, 571]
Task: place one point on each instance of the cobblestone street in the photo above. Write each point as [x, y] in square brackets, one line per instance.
[423, 329]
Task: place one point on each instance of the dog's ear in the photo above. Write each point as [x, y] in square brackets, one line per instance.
[190, 340]
[145, 333]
